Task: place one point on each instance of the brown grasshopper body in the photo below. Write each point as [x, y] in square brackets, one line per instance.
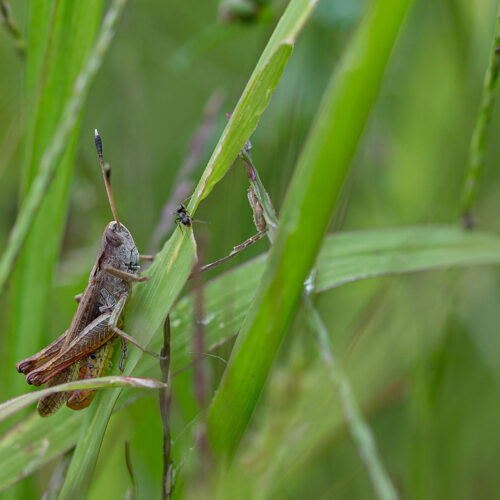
[94, 325]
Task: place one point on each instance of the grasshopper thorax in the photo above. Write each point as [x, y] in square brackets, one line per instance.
[118, 248]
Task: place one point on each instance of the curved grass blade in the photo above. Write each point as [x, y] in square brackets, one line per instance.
[309, 426]
[255, 97]
[360, 431]
[14, 405]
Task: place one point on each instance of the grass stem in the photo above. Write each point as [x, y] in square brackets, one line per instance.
[12, 27]
[478, 143]
[360, 431]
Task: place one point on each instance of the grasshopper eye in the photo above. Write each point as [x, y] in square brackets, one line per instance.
[112, 238]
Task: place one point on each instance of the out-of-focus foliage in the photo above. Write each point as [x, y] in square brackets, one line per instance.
[421, 351]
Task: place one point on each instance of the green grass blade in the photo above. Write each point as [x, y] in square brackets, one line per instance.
[307, 210]
[397, 250]
[343, 258]
[37, 442]
[151, 303]
[255, 97]
[14, 405]
[352, 256]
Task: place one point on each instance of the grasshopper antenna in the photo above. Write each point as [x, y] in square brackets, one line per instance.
[106, 173]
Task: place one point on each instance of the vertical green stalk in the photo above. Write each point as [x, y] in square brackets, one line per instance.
[478, 143]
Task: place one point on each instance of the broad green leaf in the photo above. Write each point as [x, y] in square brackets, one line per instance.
[378, 252]
[150, 303]
[34, 442]
[308, 207]
[356, 255]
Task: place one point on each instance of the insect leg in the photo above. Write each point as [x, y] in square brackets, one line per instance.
[123, 355]
[113, 325]
[88, 340]
[132, 340]
[179, 224]
[52, 402]
[93, 365]
[29, 364]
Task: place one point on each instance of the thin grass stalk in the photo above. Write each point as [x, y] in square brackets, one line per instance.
[12, 28]
[183, 183]
[360, 431]
[477, 149]
[165, 403]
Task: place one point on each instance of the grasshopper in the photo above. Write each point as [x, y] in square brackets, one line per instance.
[85, 349]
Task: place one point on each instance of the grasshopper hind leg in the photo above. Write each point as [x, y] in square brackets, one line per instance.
[51, 403]
[27, 365]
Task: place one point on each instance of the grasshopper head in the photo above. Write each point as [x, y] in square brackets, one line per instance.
[119, 248]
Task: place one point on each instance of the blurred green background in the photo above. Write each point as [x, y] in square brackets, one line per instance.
[422, 351]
